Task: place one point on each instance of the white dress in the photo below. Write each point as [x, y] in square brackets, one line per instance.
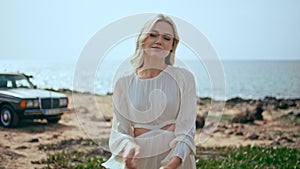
[169, 98]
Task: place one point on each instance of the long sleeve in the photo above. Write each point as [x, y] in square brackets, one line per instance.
[121, 133]
[121, 136]
[183, 144]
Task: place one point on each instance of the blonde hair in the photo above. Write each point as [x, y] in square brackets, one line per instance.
[137, 59]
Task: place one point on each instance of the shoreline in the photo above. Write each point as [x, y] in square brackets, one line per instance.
[232, 99]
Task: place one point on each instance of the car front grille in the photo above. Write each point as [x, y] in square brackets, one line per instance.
[49, 103]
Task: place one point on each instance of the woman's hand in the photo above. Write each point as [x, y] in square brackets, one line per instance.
[132, 156]
[173, 164]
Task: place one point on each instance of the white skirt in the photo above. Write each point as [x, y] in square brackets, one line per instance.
[155, 148]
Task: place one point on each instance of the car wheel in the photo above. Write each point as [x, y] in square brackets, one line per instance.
[53, 119]
[8, 116]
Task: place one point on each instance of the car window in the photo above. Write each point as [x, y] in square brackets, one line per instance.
[9, 84]
[14, 81]
[22, 83]
[3, 82]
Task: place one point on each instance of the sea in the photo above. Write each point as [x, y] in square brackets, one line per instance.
[248, 79]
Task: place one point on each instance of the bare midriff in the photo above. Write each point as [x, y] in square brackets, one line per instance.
[139, 131]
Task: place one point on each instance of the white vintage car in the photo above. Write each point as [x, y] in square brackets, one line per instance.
[20, 99]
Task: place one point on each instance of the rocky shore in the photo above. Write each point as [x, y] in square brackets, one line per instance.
[268, 122]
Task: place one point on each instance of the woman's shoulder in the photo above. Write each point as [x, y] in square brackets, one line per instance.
[180, 72]
[123, 80]
[184, 77]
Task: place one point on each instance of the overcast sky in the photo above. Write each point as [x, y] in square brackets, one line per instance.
[59, 29]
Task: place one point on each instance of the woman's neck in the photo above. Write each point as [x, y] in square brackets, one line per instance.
[151, 68]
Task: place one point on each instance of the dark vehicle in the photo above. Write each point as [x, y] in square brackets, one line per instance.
[20, 99]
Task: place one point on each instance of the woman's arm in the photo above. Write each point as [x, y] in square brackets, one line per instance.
[174, 163]
[121, 141]
[183, 144]
[122, 130]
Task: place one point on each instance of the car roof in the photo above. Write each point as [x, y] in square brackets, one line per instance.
[16, 74]
[11, 73]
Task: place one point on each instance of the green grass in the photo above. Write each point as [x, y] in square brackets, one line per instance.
[65, 144]
[249, 157]
[71, 160]
[227, 117]
[221, 157]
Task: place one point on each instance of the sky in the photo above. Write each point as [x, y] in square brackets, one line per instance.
[238, 30]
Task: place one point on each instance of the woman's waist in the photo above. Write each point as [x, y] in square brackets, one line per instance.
[138, 131]
[154, 142]
[141, 128]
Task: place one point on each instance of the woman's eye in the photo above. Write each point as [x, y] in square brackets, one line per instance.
[154, 35]
[167, 38]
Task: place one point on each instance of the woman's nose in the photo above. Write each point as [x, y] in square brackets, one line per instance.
[159, 39]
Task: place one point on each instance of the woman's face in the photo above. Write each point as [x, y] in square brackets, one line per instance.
[160, 40]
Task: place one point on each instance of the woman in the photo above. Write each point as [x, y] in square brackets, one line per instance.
[155, 107]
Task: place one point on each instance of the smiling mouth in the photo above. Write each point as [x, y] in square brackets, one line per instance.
[157, 48]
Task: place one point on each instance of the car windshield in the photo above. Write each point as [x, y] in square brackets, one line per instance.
[15, 81]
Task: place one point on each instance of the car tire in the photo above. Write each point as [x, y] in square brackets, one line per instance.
[8, 116]
[53, 119]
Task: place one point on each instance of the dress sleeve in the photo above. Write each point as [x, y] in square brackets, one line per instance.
[122, 131]
[183, 144]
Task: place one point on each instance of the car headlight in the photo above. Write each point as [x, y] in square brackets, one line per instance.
[63, 102]
[30, 103]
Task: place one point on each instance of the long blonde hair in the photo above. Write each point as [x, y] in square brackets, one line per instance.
[137, 59]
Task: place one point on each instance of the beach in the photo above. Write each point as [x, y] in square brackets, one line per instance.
[87, 126]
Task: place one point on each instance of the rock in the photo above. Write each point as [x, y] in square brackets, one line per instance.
[203, 101]
[218, 130]
[252, 136]
[296, 113]
[285, 139]
[267, 116]
[239, 133]
[200, 122]
[256, 113]
[289, 103]
[262, 137]
[12, 154]
[259, 122]
[34, 140]
[250, 114]
[269, 137]
[199, 102]
[107, 118]
[55, 136]
[235, 100]
[240, 118]
[224, 126]
[228, 132]
[275, 143]
[237, 125]
[269, 101]
[21, 147]
[282, 106]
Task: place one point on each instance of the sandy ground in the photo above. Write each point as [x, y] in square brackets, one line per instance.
[88, 119]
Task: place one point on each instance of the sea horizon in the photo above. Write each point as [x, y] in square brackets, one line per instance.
[247, 79]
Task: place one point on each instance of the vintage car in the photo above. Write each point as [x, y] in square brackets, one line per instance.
[20, 99]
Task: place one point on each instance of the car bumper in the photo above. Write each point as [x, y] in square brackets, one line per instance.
[45, 112]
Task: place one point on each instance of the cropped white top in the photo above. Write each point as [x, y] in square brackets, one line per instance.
[157, 99]
[169, 98]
